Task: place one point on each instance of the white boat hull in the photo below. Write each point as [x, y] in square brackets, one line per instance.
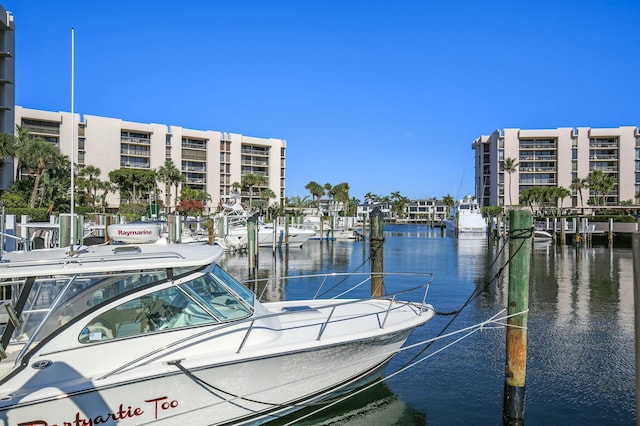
[296, 237]
[249, 391]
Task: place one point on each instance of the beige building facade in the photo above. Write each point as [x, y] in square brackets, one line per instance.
[556, 157]
[7, 88]
[209, 160]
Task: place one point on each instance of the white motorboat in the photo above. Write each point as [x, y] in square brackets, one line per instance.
[541, 234]
[466, 218]
[236, 230]
[159, 333]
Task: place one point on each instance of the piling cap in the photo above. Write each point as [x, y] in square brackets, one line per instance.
[376, 212]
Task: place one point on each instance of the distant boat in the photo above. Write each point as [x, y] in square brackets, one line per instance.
[540, 234]
[465, 218]
[236, 234]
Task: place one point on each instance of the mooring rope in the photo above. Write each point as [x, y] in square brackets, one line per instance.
[469, 332]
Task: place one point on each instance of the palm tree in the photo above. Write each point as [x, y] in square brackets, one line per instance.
[509, 165]
[340, 194]
[20, 140]
[448, 201]
[316, 190]
[399, 204]
[578, 184]
[559, 193]
[266, 195]
[7, 148]
[91, 172]
[250, 180]
[595, 180]
[608, 183]
[36, 155]
[167, 174]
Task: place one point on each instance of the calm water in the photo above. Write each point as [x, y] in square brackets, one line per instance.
[580, 365]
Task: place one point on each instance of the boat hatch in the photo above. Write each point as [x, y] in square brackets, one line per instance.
[299, 308]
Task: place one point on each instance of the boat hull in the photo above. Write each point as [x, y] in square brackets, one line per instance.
[242, 392]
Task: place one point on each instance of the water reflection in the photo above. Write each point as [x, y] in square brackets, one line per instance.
[377, 405]
[580, 367]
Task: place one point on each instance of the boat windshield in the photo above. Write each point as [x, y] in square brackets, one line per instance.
[52, 301]
[233, 284]
[199, 299]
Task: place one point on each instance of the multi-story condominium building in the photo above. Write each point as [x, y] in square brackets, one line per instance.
[209, 160]
[555, 158]
[426, 210]
[7, 89]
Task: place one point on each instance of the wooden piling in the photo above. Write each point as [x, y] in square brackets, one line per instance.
[251, 241]
[376, 249]
[286, 229]
[274, 236]
[521, 228]
[211, 225]
[610, 233]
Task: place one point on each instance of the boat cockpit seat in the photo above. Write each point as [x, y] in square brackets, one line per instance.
[96, 332]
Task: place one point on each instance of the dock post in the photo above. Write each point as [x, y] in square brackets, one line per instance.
[376, 249]
[610, 232]
[521, 228]
[635, 244]
[251, 241]
[286, 229]
[211, 225]
[563, 231]
[171, 221]
[274, 242]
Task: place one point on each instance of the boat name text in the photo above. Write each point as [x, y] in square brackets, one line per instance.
[158, 405]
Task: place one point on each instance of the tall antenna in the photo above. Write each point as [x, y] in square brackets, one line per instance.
[73, 144]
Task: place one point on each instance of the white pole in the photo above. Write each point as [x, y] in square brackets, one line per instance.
[73, 134]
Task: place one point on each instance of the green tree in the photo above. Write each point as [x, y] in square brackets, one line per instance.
[600, 185]
[340, 194]
[132, 183]
[399, 204]
[37, 155]
[21, 138]
[298, 202]
[316, 190]
[448, 201]
[251, 180]
[7, 148]
[371, 198]
[578, 184]
[194, 194]
[168, 174]
[509, 165]
[266, 195]
[352, 211]
[89, 177]
[559, 193]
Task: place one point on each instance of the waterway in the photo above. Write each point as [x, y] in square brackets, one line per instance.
[580, 361]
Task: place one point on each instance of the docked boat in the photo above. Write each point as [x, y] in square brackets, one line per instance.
[160, 333]
[541, 234]
[466, 218]
[236, 231]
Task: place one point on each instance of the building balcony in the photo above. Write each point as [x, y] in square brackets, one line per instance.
[133, 140]
[200, 147]
[135, 152]
[35, 129]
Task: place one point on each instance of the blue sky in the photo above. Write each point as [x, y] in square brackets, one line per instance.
[385, 95]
